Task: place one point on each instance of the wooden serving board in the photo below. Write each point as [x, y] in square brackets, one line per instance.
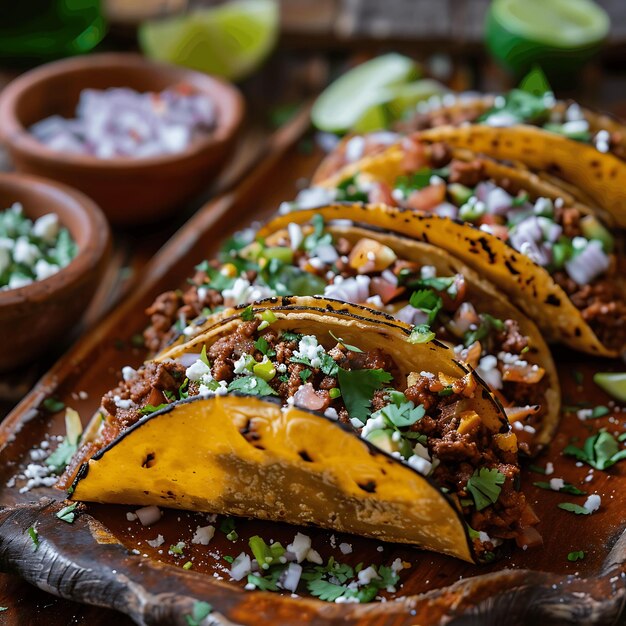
[103, 559]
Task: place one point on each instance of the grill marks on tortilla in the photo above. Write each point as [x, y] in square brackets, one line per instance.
[149, 461]
[368, 487]
[553, 300]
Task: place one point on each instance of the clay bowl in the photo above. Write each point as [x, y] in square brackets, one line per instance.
[129, 191]
[34, 317]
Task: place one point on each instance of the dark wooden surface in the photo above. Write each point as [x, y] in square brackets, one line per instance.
[93, 367]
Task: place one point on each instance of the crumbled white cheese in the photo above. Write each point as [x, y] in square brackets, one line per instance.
[155, 543]
[314, 197]
[549, 468]
[241, 567]
[313, 556]
[131, 517]
[129, 373]
[295, 235]
[25, 252]
[592, 503]
[556, 484]
[376, 301]
[309, 349]
[346, 548]
[196, 371]
[123, 403]
[367, 575]
[207, 392]
[420, 464]
[300, 546]
[44, 270]
[203, 535]
[354, 148]
[331, 413]
[37, 476]
[373, 423]
[242, 292]
[488, 370]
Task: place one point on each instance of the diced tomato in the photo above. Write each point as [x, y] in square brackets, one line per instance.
[426, 199]
[387, 292]
[381, 193]
[414, 155]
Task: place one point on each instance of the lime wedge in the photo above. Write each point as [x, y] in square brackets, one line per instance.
[346, 101]
[558, 35]
[565, 23]
[614, 383]
[230, 40]
[404, 98]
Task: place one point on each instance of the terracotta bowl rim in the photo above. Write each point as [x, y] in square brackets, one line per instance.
[96, 232]
[16, 136]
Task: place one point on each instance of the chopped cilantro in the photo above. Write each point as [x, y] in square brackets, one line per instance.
[264, 348]
[227, 525]
[488, 324]
[34, 535]
[251, 385]
[59, 459]
[622, 437]
[52, 405]
[448, 391]
[403, 414]
[421, 334]
[283, 378]
[188, 565]
[599, 411]
[358, 387]
[325, 590]
[266, 555]
[3, 608]
[318, 237]
[484, 486]
[348, 191]
[304, 375]
[247, 315]
[199, 612]
[328, 365]
[418, 180]
[216, 279]
[177, 549]
[537, 469]
[600, 451]
[574, 508]
[347, 346]
[67, 514]
[578, 555]
[232, 535]
[204, 358]
[150, 408]
[566, 488]
[428, 301]
[267, 582]
[291, 337]
[228, 558]
[438, 283]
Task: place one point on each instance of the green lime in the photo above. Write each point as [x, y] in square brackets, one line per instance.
[230, 40]
[558, 35]
[349, 99]
[404, 98]
[614, 383]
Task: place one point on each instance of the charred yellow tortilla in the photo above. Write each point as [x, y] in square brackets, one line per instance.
[602, 176]
[529, 285]
[249, 456]
[246, 456]
[479, 290]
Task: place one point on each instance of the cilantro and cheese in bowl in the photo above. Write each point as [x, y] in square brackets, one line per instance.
[54, 244]
[32, 250]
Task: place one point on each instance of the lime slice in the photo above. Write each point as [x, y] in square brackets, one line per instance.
[564, 23]
[230, 40]
[558, 35]
[404, 98]
[349, 99]
[614, 383]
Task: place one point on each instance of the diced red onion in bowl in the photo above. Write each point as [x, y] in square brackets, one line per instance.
[121, 122]
[588, 264]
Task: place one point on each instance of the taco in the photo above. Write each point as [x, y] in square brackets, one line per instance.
[562, 141]
[302, 410]
[556, 258]
[413, 281]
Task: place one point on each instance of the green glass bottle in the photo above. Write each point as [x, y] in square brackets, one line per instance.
[40, 30]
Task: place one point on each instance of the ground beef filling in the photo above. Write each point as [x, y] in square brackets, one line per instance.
[458, 454]
[602, 306]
